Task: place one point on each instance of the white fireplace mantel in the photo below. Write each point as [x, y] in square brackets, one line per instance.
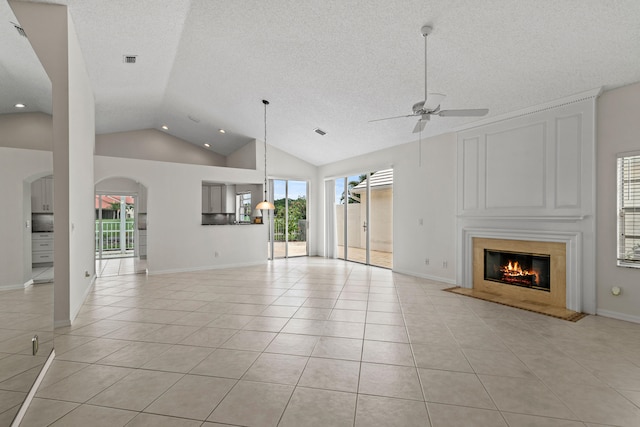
[532, 177]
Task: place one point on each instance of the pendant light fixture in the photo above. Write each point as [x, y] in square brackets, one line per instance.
[265, 205]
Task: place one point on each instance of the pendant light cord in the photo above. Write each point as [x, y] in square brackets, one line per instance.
[265, 102]
[425, 68]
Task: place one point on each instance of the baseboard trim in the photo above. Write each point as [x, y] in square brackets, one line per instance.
[618, 316]
[426, 276]
[32, 392]
[16, 286]
[207, 267]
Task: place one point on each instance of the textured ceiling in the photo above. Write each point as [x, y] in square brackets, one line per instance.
[336, 64]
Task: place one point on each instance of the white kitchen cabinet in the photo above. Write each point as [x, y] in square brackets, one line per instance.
[142, 244]
[41, 248]
[42, 195]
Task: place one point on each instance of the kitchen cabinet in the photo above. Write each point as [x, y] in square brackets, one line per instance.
[229, 199]
[212, 198]
[42, 195]
[41, 248]
[142, 199]
[142, 244]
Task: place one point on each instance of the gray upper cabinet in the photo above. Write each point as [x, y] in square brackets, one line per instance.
[42, 195]
[211, 199]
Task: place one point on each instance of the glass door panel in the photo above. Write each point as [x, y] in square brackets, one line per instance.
[290, 219]
[297, 226]
[279, 218]
[364, 218]
[381, 219]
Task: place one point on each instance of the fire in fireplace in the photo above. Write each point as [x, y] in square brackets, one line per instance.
[518, 269]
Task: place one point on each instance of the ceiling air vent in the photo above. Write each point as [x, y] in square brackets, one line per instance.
[319, 131]
[19, 29]
[130, 59]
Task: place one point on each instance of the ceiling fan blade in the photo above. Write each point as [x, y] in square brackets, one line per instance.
[396, 117]
[478, 112]
[433, 101]
[420, 126]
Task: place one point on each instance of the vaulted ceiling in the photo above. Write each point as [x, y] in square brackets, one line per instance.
[205, 65]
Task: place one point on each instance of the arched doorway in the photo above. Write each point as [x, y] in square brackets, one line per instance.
[120, 227]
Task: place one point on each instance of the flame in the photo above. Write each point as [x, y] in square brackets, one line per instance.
[513, 269]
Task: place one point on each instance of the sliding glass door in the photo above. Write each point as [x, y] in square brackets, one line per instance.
[364, 218]
[289, 226]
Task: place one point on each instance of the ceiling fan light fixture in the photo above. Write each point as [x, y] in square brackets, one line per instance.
[20, 105]
[222, 131]
[207, 145]
[165, 127]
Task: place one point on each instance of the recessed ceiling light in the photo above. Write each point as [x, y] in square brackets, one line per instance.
[207, 145]
[19, 105]
[222, 131]
[165, 127]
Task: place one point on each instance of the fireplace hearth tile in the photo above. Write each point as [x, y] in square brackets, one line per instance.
[536, 307]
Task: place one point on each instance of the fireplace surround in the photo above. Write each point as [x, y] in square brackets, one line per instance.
[540, 275]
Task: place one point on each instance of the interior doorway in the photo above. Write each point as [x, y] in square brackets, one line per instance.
[364, 218]
[289, 223]
[115, 226]
[120, 227]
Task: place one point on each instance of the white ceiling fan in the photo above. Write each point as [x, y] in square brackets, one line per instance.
[431, 105]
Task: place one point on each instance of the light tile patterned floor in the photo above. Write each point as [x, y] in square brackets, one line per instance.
[316, 342]
[120, 266]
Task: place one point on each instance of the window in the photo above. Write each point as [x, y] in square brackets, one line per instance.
[244, 207]
[629, 210]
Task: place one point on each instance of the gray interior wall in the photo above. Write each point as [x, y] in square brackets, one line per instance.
[151, 144]
[245, 157]
[33, 131]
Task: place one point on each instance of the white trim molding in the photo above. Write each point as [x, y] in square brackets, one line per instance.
[618, 316]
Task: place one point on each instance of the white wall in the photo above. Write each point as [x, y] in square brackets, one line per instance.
[18, 168]
[424, 188]
[531, 173]
[151, 144]
[618, 132]
[282, 165]
[81, 189]
[176, 240]
[53, 38]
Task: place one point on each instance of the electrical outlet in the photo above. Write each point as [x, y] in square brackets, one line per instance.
[216, 254]
[426, 261]
[420, 221]
[445, 264]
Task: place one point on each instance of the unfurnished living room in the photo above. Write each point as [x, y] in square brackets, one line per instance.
[321, 213]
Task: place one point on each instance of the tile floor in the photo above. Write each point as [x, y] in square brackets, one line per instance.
[120, 266]
[316, 342]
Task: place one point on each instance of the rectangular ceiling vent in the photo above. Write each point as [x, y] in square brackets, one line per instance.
[319, 131]
[130, 59]
[19, 29]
